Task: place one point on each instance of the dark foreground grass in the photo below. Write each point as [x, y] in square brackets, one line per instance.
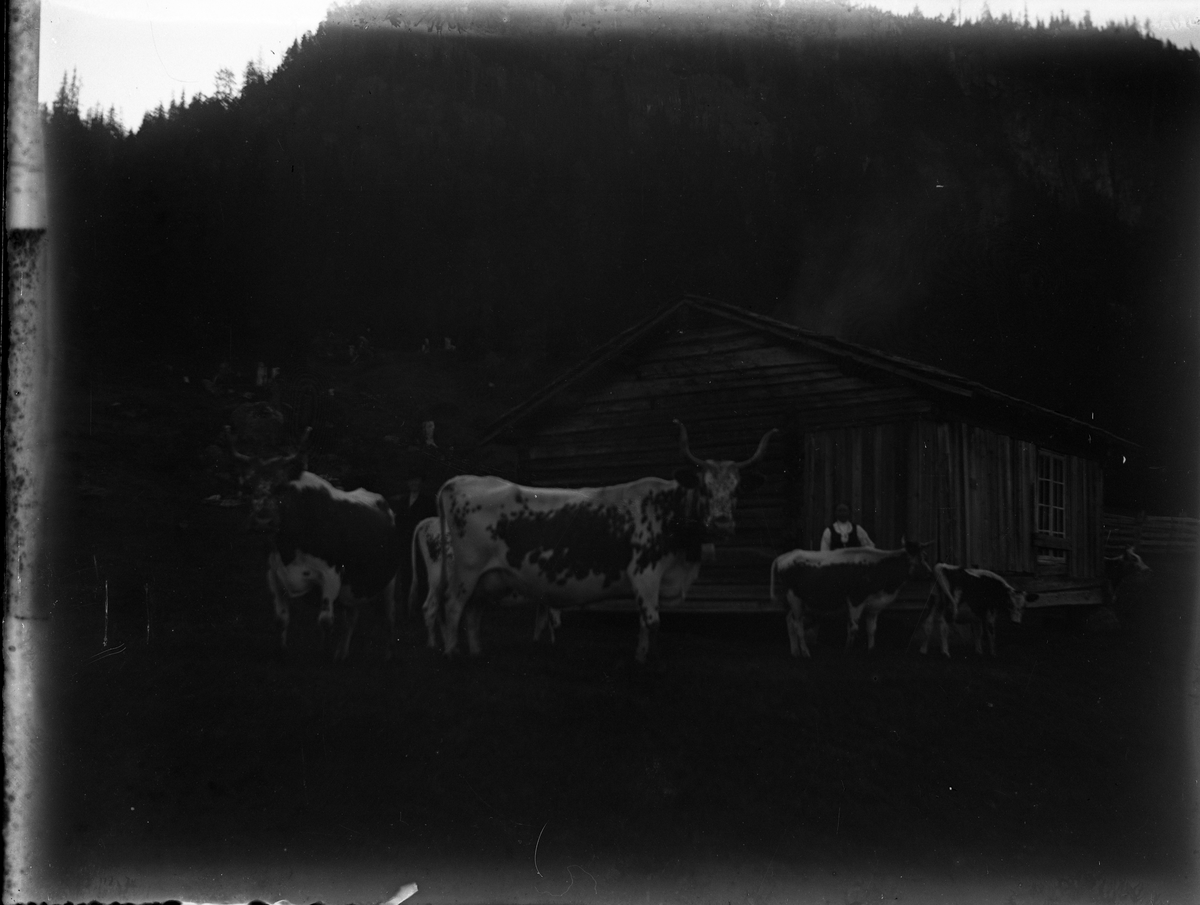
[738, 771]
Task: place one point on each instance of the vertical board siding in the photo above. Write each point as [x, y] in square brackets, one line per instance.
[868, 469]
[856, 473]
[1027, 493]
[812, 467]
[970, 490]
[947, 498]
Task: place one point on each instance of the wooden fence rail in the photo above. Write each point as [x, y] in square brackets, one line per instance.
[1150, 532]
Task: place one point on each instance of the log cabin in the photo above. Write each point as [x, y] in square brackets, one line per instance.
[993, 481]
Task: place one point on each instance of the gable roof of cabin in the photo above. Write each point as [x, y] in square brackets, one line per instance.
[934, 381]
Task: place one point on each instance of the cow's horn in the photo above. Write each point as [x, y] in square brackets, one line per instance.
[241, 457]
[683, 445]
[762, 448]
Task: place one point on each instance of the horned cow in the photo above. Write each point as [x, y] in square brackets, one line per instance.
[342, 543]
[569, 548]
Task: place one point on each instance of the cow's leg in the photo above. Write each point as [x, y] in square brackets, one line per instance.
[928, 632]
[853, 613]
[283, 606]
[977, 631]
[430, 611]
[331, 589]
[872, 618]
[452, 612]
[945, 630]
[795, 625]
[547, 617]
[349, 606]
[991, 631]
[389, 618]
[474, 616]
[647, 598]
[647, 635]
[413, 589]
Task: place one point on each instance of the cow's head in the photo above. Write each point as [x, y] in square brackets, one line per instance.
[716, 484]
[1016, 602]
[261, 479]
[918, 568]
[1132, 562]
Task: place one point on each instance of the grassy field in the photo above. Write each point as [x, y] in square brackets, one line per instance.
[193, 763]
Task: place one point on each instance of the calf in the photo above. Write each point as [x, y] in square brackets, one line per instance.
[983, 593]
[428, 550]
[862, 579]
[342, 543]
[1118, 568]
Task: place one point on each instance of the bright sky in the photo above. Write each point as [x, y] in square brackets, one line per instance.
[136, 54]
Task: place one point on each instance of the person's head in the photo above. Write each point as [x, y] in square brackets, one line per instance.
[414, 476]
[842, 513]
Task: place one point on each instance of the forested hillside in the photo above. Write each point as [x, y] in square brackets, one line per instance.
[1016, 202]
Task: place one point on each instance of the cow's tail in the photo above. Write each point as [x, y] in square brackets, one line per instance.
[774, 564]
[417, 561]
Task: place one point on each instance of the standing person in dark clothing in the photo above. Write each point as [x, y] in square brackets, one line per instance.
[410, 507]
[843, 532]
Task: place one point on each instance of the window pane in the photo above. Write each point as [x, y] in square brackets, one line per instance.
[1051, 495]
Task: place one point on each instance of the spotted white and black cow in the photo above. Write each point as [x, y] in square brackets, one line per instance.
[976, 595]
[569, 548]
[342, 543]
[1117, 569]
[860, 579]
[428, 551]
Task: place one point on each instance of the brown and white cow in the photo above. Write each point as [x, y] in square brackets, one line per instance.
[972, 594]
[428, 551]
[1117, 569]
[861, 579]
[569, 548]
[343, 543]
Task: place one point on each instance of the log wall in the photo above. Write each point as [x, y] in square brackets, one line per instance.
[869, 440]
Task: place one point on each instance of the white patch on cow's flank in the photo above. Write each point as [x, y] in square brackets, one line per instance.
[845, 556]
[984, 573]
[360, 496]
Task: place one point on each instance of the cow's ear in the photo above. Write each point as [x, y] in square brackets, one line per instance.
[748, 483]
[687, 477]
[296, 466]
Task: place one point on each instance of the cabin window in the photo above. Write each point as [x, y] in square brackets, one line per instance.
[1051, 508]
